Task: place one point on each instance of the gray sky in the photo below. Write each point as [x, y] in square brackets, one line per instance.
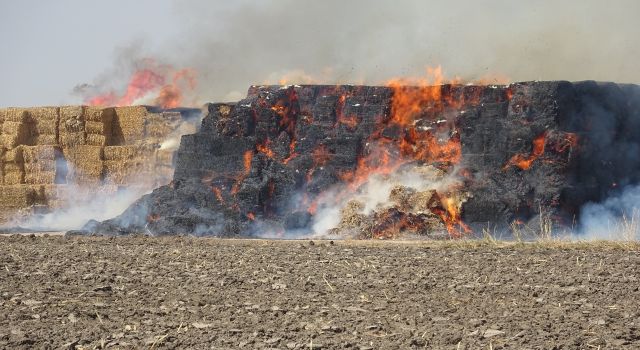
[49, 47]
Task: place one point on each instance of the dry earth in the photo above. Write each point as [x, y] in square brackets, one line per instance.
[182, 292]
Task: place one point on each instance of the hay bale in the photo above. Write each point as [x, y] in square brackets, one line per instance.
[99, 114]
[96, 140]
[46, 140]
[41, 165]
[45, 127]
[13, 168]
[129, 124]
[19, 196]
[40, 177]
[13, 178]
[157, 126]
[68, 112]
[73, 139]
[18, 115]
[424, 201]
[13, 128]
[72, 119]
[98, 127]
[13, 155]
[83, 153]
[43, 113]
[32, 154]
[3, 114]
[121, 152]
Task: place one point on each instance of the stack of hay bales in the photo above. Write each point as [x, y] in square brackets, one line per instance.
[41, 164]
[72, 129]
[98, 125]
[85, 164]
[15, 130]
[128, 164]
[12, 166]
[43, 125]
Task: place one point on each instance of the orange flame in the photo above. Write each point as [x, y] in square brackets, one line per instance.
[264, 148]
[163, 80]
[524, 162]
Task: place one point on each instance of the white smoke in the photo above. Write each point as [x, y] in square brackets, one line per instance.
[615, 218]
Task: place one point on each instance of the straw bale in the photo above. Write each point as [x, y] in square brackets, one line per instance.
[13, 178]
[3, 114]
[32, 154]
[121, 152]
[98, 127]
[13, 155]
[46, 140]
[83, 153]
[129, 123]
[44, 113]
[68, 112]
[45, 126]
[13, 128]
[73, 139]
[19, 196]
[99, 114]
[40, 177]
[41, 165]
[156, 125]
[18, 115]
[9, 141]
[13, 168]
[96, 140]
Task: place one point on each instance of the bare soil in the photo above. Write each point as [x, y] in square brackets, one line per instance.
[182, 292]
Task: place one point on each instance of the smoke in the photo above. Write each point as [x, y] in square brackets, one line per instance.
[615, 218]
[233, 45]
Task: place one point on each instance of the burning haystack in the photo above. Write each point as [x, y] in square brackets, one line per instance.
[371, 161]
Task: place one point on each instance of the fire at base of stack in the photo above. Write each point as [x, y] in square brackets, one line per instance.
[384, 162]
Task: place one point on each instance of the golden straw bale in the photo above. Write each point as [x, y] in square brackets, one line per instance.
[44, 113]
[14, 128]
[19, 196]
[3, 114]
[40, 177]
[121, 152]
[99, 114]
[45, 126]
[83, 153]
[13, 168]
[73, 139]
[98, 127]
[96, 140]
[41, 165]
[46, 140]
[67, 112]
[13, 178]
[13, 155]
[129, 123]
[71, 119]
[18, 115]
[32, 154]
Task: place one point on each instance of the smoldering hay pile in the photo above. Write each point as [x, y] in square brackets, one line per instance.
[384, 162]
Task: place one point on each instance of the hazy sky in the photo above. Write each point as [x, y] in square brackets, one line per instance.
[49, 47]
